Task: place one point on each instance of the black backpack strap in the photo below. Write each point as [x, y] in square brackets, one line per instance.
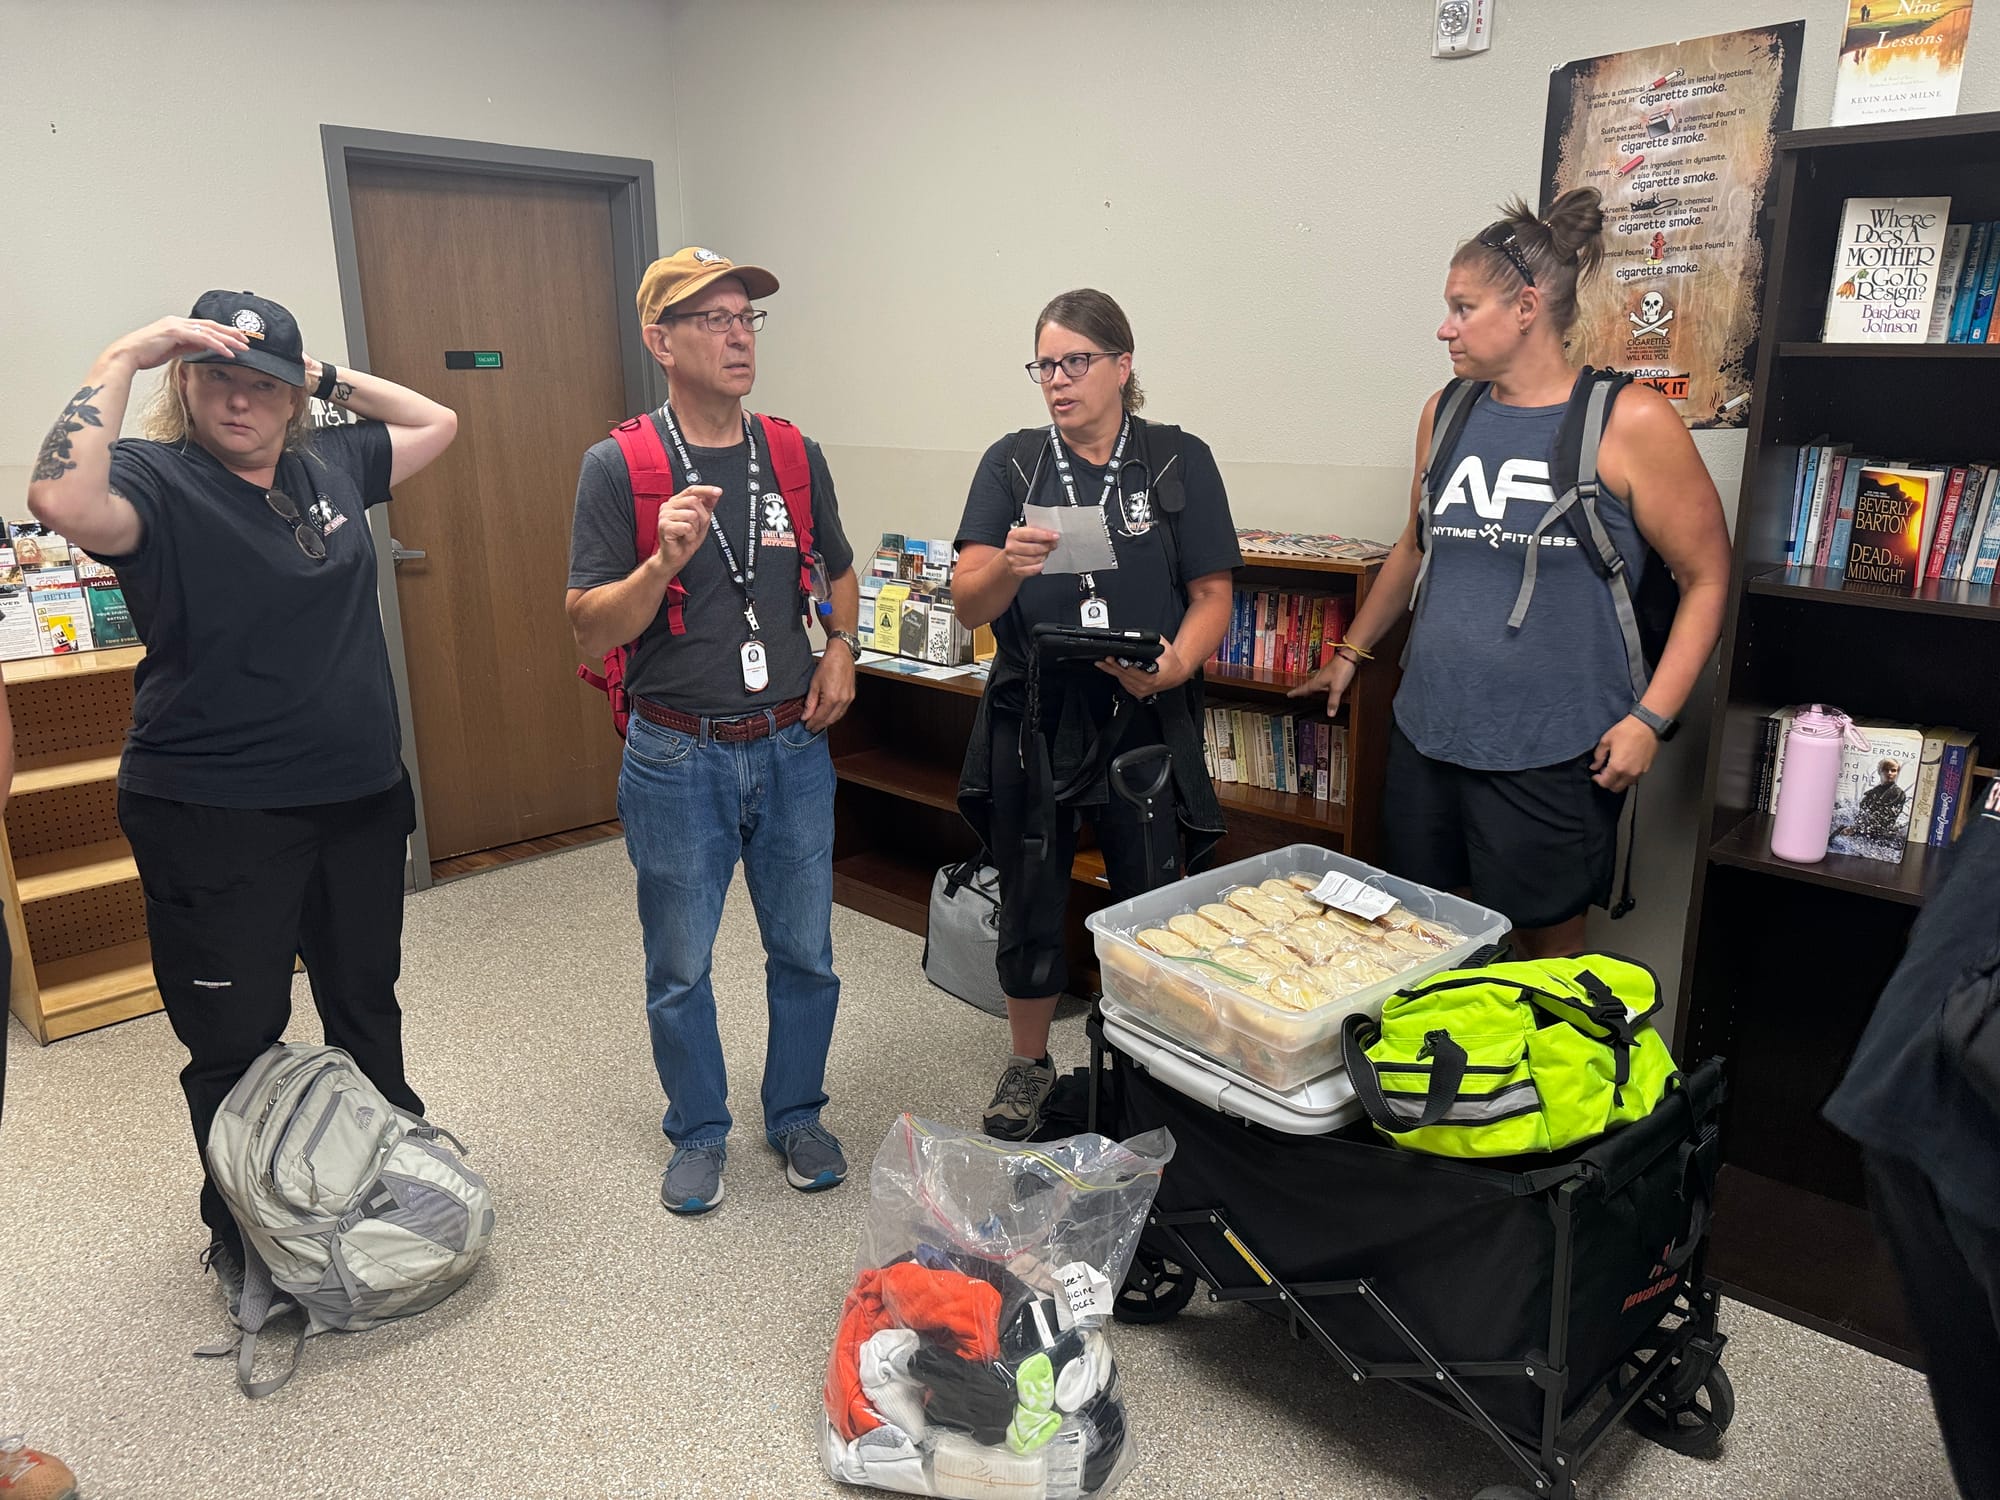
[1160, 448]
[1575, 482]
[1454, 410]
[1024, 464]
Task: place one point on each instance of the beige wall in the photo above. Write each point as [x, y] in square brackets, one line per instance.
[1270, 187]
[156, 150]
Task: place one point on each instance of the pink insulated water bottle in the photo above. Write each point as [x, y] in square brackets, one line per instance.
[1809, 780]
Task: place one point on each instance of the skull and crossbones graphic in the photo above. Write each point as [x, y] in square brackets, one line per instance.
[1653, 315]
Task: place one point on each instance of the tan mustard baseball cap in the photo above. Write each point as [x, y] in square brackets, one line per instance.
[677, 277]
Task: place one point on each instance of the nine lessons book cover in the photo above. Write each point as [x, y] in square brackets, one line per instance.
[1900, 59]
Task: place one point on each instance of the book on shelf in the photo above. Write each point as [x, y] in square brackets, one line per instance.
[1893, 509]
[1302, 754]
[1899, 59]
[1951, 267]
[1968, 283]
[1885, 271]
[1284, 631]
[62, 618]
[110, 618]
[1966, 292]
[1929, 759]
[1873, 803]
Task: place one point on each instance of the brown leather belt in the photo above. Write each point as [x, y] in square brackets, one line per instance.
[745, 727]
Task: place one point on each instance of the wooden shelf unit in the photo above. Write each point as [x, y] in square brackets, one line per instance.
[898, 752]
[75, 913]
[1784, 962]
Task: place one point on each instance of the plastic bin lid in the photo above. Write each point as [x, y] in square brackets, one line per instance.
[1322, 1104]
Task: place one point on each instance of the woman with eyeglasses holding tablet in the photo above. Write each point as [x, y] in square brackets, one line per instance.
[1519, 730]
[1154, 493]
[262, 786]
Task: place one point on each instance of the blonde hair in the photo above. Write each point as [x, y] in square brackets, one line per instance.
[168, 420]
[1561, 249]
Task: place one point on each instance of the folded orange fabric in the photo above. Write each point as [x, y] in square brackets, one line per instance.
[949, 1305]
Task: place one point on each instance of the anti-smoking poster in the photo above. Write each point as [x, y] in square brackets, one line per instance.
[1678, 139]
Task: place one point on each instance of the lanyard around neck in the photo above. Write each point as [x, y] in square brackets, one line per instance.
[1086, 583]
[744, 576]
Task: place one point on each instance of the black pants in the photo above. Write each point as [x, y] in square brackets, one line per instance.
[231, 895]
[1034, 892]
[1950, 1270]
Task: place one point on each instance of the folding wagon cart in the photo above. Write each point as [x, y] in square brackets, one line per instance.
[1541, 1305]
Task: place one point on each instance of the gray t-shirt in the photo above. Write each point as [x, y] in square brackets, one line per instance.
[701, 671]
[1477, 693]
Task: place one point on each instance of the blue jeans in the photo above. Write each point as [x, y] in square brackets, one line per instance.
[692, 806]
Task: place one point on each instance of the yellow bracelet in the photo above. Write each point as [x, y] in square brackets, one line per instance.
[1361, 653]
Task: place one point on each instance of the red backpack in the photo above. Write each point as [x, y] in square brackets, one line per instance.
[652, 477]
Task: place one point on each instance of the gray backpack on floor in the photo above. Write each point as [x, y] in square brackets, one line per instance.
[962, 941]
[351, 1211]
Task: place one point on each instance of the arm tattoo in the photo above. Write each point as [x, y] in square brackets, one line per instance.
[54, 460]
[342, 391]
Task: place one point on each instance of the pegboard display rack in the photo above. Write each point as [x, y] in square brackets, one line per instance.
[75, 913]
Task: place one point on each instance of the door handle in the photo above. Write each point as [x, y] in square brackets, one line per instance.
[399, 553]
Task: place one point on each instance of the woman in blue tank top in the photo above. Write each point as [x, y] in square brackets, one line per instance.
[1517, 732]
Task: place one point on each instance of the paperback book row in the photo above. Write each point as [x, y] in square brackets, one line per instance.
[1278, 631]
[1904, 275]
[1893, 526]
[54, 600]
[1912, 784]
[1305, 754]
[1256, 544]
[906, 605]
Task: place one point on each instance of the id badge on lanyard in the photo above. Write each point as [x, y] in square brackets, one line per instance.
[752, 654]
[1093, 612]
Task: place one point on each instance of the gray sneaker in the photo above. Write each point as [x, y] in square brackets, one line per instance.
[1016, 1110]
[813, 1159]
[693, 1180]
[227, 1263]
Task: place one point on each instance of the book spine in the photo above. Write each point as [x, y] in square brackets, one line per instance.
[1989, 283]
[1968, 283]
[1987, 559]
[1954, 491]
[1966, 525]
[1267, 628]
[1951, 784]
[1323, 761]
[1767, 760]
[1816, 527]
[1801, 501]
[1291, 735]
[1843, 527]
[1950, 261]
[1315, 633]
[1923, 796]
[1830, 511]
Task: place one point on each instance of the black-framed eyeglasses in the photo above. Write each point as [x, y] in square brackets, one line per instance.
[1499, 237]
[1076, 366]
[719, 319]
[303, 531]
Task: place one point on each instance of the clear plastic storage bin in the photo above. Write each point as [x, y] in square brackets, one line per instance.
[1278, 1048]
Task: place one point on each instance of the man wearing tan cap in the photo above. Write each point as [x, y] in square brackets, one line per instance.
[704, 538]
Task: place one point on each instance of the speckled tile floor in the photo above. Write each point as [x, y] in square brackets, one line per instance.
[607, 1349]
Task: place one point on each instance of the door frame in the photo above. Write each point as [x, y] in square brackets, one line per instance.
[635, 241]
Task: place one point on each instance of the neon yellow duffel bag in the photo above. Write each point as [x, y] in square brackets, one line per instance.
[1505, 1059]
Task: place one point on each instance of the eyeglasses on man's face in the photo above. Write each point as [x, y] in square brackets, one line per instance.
[1076, 366]
[719, 319]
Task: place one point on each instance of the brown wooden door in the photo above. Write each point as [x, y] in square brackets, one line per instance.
[510, 745]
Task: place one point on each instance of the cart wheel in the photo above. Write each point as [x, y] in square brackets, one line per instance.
[1155, 1289]
[1692, 1424]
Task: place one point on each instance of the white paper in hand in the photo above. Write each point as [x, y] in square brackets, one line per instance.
[1083, 545]
[1350, 895]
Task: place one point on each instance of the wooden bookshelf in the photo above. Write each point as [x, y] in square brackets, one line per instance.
[1792, 1232]
[75, 913]
[898, 752]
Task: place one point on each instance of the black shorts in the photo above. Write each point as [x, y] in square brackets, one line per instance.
[1034, 893]
[1539, 846]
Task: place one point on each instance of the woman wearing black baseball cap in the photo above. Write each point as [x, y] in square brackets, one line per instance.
[262, 786]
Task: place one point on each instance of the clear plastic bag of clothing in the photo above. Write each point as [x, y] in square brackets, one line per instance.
[973, 1358]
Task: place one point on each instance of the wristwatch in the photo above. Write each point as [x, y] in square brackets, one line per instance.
[1663, 728]
[853, 641]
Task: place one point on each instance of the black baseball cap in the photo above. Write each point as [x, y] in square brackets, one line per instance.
[275, 345]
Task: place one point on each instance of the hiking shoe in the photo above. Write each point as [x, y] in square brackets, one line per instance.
[813, 1159]
[227, 1263]
[1016, 1110]
[693, 1180]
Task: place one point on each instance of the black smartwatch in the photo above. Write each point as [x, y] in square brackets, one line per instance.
[1663, 729]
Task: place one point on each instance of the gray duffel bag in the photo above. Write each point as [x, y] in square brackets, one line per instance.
[962, 943]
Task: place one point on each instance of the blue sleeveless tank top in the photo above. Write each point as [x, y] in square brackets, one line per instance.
[1474, 692]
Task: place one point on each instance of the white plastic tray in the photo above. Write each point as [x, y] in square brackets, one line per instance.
[1280, 1049]
[1325, 1104]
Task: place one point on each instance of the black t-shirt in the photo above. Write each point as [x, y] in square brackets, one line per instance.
[701, 671]
[1139, 593]
[266, 677]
